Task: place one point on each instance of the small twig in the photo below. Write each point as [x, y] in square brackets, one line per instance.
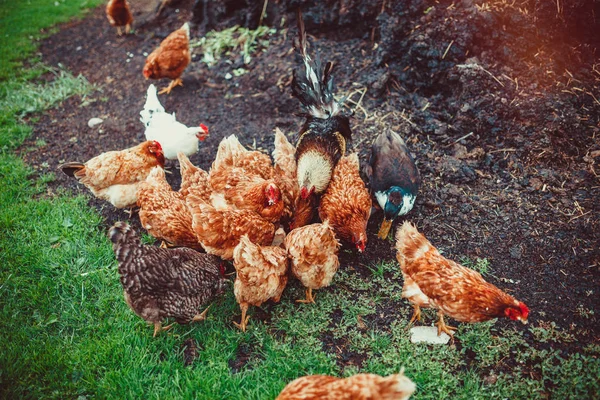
[579, 216]
[459, 139]
[263, 12]
[447, 49]
[479, 67]
[500, 150]
[360, 99]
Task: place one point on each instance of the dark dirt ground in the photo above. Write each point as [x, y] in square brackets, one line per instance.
[497, 101]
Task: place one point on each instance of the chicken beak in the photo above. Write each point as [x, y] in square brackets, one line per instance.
[386, 225]
[271, 202]
[524, 321]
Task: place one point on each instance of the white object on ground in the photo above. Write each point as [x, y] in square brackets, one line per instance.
[427, 334]
[94, 121]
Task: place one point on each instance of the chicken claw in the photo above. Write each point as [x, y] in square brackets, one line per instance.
[416, 315]
[309, 297]
[442, 327]
[244, 320]
[158, 327]
[174, 82]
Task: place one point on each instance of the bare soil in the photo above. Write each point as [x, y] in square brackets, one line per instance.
[499, 104]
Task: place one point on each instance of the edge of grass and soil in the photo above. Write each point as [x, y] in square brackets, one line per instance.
[67, 331]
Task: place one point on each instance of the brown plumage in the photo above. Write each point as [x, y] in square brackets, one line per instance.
[431, 280]
[284, 156]
[313, 250]
[357, 387]
[118, 14]
[258, 195]
[234, 163]
[116, 176]
[219, 231]
[164, 212]
[165, 283]
[347, 203]
[193, 179]
[261, 275]
[170, 59]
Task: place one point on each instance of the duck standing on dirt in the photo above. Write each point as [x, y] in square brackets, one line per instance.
[394, 178]
[326, 131]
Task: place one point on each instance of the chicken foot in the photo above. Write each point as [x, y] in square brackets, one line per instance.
[174, 82]
[309, 297]
[442, 327]
[158, 327]
[416, 314]
[244, 320]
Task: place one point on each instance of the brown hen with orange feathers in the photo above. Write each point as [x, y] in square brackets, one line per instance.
[170, 59]
[118, 14]
[346, 203]
[357, 387]
[115, 176]
[164, 212]
[431, 280]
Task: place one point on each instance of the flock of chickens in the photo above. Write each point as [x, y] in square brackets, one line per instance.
[261, 214]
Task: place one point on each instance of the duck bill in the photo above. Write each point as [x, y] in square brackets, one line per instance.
[386, 225]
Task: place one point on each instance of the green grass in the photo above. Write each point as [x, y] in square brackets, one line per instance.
[67, 333]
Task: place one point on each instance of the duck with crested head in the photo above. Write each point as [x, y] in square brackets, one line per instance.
[394, 178]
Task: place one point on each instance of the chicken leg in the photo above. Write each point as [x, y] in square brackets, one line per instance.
[158, 327]
[309, 297]
[244, 320]
[442, 327]
[174, 82]
[416, 314]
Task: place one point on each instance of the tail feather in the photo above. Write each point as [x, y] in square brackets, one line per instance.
[410, 243]
[72, 168]
[186, 29]
[313, 87]
[151, 106]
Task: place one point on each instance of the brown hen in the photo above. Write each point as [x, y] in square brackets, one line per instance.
[219, 231]
[116, 176]
[313, 250]
[261, 275]
[357, 387]
[431, 280]
[193, 179]
[347, 203]
[165, 283]
[118, 14]
[170, 59]
[164, 212]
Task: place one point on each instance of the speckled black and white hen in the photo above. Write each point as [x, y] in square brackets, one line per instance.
[161, 283]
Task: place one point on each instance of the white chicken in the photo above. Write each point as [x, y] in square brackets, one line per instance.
[172, 135]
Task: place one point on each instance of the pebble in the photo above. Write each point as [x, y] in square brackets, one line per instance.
[94, 121]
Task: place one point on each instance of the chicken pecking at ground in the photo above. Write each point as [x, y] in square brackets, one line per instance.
[165, 283]
[170, 59]
[357, 387]
[164, 212]
[284, 156]
[116, 176]
[313, 250]
[326, 131]
[118, 14]
[393, 178]
[261, 275]
[163, 127]
[346, 203]
[431, 280]
[194, 180]
[219, 230]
